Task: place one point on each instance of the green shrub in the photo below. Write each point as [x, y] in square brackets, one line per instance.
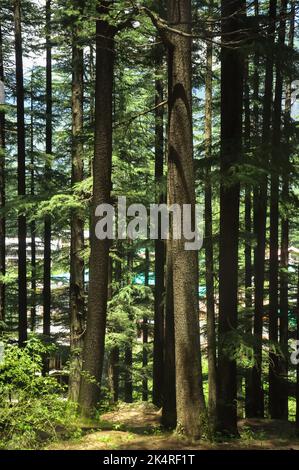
[33, 409]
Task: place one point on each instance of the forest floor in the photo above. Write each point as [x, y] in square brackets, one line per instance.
[137, 426]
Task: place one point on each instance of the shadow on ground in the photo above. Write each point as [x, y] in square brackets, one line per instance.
[137, 426]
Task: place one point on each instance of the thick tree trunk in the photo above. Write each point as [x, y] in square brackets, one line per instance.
[47, 226]
[22, 226]
[94, 341]
[260, 219]
[189, 393]
[158, 363]
[2, 191]
[77, 219]
[232, 71]
[275, 409]
[209, 251]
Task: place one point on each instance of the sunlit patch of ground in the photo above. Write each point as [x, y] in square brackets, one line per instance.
[137, 426]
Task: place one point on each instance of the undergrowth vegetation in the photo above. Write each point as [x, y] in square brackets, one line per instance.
[33, 407]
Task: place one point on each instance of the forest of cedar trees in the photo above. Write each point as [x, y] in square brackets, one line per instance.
[137, 342]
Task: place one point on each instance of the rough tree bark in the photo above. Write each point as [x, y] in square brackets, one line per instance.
[285, 223]
[275, 409]
[232, 71]
[248, 227]
[248, 196]
[77, 218]
[22, 226]
[189, 393]
[209, 251]
[2, 191]
[158, 353]
[94, 340]
[260, 219]
[47, 224]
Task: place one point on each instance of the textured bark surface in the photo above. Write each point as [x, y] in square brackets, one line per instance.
[158, 353]
[77, 219]
[22, 227]
[248, 227]
[275, 405]
[47, 226]
[260, 220]
[232, 71]
[285, 228]
[189, 394]
[2, 190]
[94, 340]
[208, 243]
[248, 195]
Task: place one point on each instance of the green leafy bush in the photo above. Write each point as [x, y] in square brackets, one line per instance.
[33, 409]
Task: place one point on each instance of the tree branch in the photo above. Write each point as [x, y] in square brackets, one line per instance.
[143, 113]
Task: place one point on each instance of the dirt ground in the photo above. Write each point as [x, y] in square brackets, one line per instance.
[137, 426]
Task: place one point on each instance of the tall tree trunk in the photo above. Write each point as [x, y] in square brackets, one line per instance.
[260, 219]
[93, 353]
[158, 363]
[77, 218]
[32, 223]
[248, 204]
[209, 251]
[275, 409]
[22, 226]
[232, 71]
[47, 226]
[145, 334]
[284, 260]
[2, 191]
[248, 228]
[189, 393]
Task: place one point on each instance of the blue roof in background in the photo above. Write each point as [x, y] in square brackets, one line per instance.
[139, 279]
